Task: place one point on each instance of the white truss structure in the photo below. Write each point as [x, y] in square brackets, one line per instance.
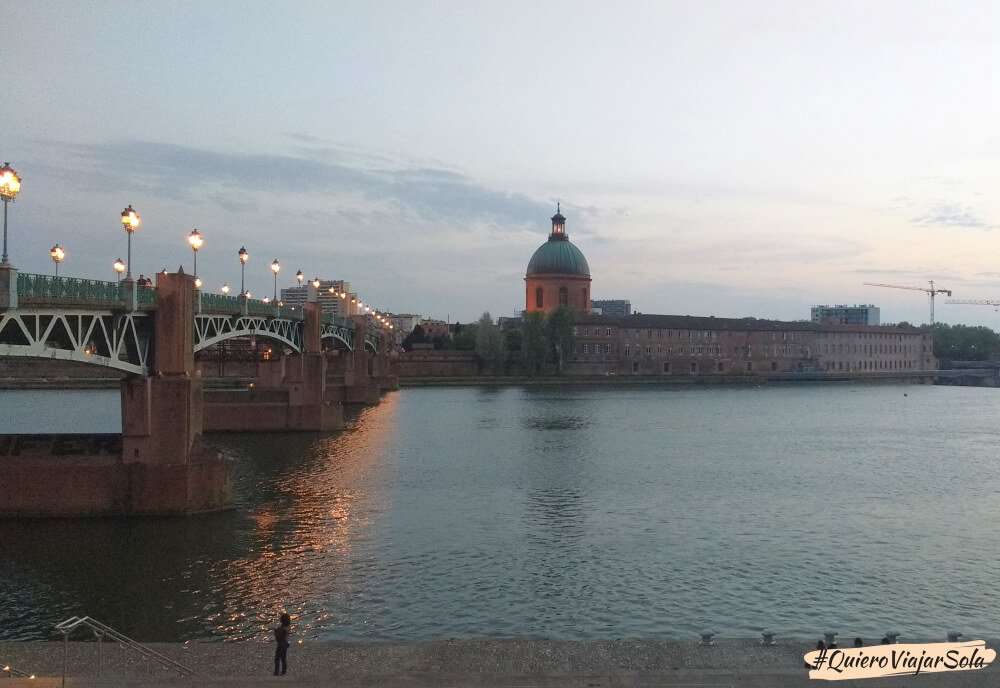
[114, 340]
[212, 329]
[121, 340]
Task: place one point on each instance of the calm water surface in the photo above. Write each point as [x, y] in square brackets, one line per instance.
[563, 513]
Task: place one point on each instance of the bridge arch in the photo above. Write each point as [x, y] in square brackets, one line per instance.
[102, 338]
[213, 329]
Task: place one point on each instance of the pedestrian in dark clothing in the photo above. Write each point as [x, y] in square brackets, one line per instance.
[858, 642]
[281, 651]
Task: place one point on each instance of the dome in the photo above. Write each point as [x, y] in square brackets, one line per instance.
[558, 256]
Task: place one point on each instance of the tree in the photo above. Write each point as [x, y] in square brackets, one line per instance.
[559, 336]
[417, 336]
[965, 343]
[489, 343]
[464, 338]
[533, 344]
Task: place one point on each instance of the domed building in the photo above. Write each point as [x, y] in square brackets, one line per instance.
[558, 274]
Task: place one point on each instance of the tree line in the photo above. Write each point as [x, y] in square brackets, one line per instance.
[540, 346]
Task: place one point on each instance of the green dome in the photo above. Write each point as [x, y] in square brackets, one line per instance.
[558, 256]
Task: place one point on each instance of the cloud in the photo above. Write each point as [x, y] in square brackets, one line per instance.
[198, 174]
[951, 215]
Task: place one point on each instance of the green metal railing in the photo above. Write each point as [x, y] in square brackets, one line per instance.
[47, 289]
[220, 303]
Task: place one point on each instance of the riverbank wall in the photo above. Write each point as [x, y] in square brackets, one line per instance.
[915, 377]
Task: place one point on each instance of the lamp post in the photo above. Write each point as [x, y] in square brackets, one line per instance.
[316, 282]
[130, 223]
[299, 276]
[275, 268]
[119, 267]
[244, 257]
[196, 240]
[58, 255]
[10, 185]
[225, 288]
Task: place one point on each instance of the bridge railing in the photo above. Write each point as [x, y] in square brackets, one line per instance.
[46, 289]
[220, 303]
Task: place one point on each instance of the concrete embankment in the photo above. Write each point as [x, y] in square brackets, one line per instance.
[457, 663]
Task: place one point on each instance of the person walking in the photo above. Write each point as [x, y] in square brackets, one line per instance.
[281, 651]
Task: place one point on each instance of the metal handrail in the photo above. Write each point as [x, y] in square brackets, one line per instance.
[12, 672]
[104, 631]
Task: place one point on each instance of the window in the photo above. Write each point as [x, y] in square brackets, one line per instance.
[666, 366]
[649, 350]
[563, 296]
[608, 333]
[586, 348]
[539, 303]
[774, 365]
[694, 368]
[718, 367]
[626, 349]
[749, 367]
[635, 366]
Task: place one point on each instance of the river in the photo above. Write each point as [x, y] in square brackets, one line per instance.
[564, 513]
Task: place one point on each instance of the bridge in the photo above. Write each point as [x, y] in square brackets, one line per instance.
[151, 335]
[110, 324]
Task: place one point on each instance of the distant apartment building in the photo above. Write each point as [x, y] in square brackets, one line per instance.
[846, 315]
[329, 296]
[614, 307]
[404, 322]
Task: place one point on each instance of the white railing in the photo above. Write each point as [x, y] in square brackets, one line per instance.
[102, 631]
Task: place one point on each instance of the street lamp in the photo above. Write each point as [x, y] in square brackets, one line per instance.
[275, 268]
[119, 266]
[10, 186]
[299, 276]
[197, 282]
[316, 282]
[196, 240]
[225, 288]
[130, 223]
[244, 257]
[58, 256]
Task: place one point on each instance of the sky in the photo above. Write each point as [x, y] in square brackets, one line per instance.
[712, 158]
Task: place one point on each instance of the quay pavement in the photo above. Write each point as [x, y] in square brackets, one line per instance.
[474, 663]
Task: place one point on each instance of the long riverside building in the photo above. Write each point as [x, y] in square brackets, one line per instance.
[687, 345]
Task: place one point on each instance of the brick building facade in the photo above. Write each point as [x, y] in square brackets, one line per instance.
[686, 345]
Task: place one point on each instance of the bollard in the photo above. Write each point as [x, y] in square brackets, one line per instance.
[767, 638]
[831, 638]
[706, 638]
[953, 636]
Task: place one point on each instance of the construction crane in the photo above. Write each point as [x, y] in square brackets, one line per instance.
[975, 302]
[932, 291]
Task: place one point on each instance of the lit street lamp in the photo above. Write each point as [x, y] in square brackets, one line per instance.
[244, 257]
[316, 282]
[197, 282]
[275, 268]
[196, 240]
[58, 256]
[10, 185]
[130, 223]
[225, 288]
[299, 276]
[119, 267]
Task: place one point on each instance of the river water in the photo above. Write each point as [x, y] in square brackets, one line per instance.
[576, 513]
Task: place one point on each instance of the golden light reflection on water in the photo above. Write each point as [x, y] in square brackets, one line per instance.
[306, 531]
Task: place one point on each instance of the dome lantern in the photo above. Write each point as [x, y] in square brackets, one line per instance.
[558, 224]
